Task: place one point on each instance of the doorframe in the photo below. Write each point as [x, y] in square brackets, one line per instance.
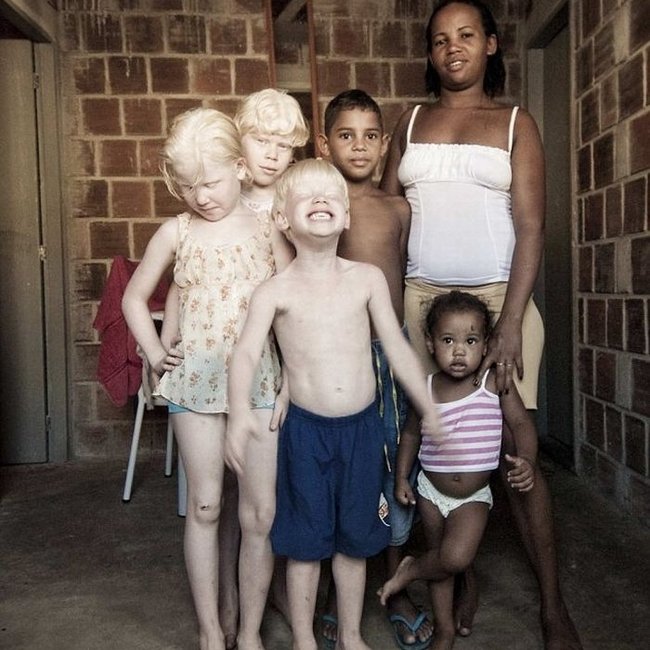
[546, 20]
[38, 21]
[54, 304]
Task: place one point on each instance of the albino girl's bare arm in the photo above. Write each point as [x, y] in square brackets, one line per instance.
[157, 257]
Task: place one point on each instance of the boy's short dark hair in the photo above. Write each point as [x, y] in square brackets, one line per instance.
[495, 73]
[457, 301]
[348, 100]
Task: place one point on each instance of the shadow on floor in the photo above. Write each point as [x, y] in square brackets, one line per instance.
[81, 570]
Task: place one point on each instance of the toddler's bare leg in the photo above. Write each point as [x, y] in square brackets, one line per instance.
[442, 598]
[200, 440]
[302, 590]
[256, 512]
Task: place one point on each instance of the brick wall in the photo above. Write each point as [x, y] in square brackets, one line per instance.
[380, 47]
[612, 118]
[128, 68]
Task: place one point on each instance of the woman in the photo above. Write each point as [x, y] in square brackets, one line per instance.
[472, 170]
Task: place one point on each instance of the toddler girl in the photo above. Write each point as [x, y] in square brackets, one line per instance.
[221, 251]
[453, 486]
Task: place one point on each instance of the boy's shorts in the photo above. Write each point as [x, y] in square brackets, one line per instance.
[447, 504]
[393, 408]
[329, 482]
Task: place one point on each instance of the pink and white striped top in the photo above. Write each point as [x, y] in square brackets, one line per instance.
[474, 425]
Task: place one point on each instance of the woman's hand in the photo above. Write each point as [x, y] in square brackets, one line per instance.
[503, 352]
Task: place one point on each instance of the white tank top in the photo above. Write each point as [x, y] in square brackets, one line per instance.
[461, 218]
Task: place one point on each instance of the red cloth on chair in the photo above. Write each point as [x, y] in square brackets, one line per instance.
[119, 368]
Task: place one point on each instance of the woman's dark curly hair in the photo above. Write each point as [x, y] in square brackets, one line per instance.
[455, 302]
[495, 73]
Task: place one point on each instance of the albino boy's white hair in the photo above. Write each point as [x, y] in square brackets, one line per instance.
[308, 169]
[198, 136]
[272, 112]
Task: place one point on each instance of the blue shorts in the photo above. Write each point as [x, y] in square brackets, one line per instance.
[393, 408]
[329, 482]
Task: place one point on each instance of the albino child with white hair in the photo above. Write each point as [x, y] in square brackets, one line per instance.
[221, 250]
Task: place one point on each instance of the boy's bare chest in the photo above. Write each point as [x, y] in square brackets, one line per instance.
[371, 237]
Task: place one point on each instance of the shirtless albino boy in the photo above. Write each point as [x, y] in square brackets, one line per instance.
[355, 142]
[330, 459]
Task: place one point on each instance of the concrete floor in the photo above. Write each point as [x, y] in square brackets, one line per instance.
[81, 570]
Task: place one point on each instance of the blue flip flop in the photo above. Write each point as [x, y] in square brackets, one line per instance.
[330, 619]
[413, 627]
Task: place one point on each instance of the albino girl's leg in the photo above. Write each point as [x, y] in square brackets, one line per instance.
[350, 578]
[302, 589]
[200, 439]
[256, 512]
[229, 538]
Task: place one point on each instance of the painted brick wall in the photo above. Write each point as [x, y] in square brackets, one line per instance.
[128, 67]
[612, 242]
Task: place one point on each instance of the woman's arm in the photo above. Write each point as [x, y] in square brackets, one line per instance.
[521, 476]
[528, 209]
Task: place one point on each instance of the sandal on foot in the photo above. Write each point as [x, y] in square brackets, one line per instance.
[329, 619]
[397, 619]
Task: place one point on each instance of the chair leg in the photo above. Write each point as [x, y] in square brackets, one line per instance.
[135, 440]
[182, 488]
[170, 447]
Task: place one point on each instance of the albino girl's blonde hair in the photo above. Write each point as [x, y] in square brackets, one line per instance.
[308, 169]
[198, 136]
[272, 112]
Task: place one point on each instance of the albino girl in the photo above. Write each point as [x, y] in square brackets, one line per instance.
[221, 251]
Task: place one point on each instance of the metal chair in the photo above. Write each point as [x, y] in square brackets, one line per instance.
[143, 397]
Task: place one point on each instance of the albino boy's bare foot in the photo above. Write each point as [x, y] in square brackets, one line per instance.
[560, 632]
[466, 602]
[249, 644]
[211, 641]
[399, 581]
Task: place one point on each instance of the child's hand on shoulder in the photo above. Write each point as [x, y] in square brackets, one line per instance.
[404, 492]
[522, 475]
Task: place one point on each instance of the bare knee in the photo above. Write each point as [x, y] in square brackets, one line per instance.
[204, 511]
[256, 519]
[454, 560]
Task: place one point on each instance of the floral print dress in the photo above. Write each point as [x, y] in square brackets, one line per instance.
[216, 284]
